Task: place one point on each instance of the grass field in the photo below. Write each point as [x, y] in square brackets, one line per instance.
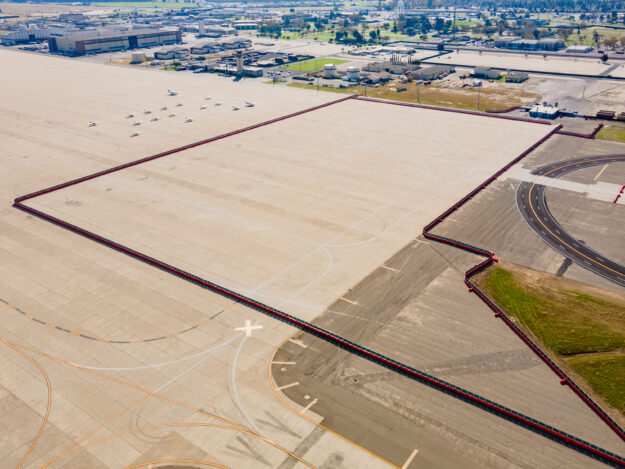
[436, 95]
[585, 331]
[314, 64]
[170, 5]
[613, 133]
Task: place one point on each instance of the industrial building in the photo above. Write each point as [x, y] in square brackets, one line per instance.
[171, 54]
[516, 43]
[487, 73]
[433, 73]
[544, 111]
[109, 41]
[30, 34]
[516, 77]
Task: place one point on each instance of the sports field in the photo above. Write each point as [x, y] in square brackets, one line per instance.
[314, 64]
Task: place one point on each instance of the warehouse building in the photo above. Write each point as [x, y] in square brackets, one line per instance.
[516, 77]
[433, 73]
[109, 41]
[487, 73]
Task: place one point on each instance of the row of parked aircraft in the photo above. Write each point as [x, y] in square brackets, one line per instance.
[171, 114]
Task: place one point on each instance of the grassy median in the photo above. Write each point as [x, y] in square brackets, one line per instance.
[585, 331]
[613, 133]
[438, 95]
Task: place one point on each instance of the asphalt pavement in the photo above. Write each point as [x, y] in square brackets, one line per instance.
[532, 203]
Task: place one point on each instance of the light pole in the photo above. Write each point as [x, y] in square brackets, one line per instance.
[479, 92]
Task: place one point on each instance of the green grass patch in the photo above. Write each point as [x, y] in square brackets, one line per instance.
[586, 332]
[606, 375]
[568, 328]
[613, 133]
[314, 64]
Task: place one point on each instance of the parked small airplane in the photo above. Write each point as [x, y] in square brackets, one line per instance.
[235, 108]
[164, 108]
[134, 134]
[91, 124]
[172, 93]
[179, 104]
[188, 119]
[249, 104]
[147, 111]
[202, 107]
[207, 98]
[217, 103]
[129, 116]
[172, 114]
[155, 118]
[136, 123]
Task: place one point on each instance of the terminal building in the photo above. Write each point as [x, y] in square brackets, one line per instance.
[110, 41]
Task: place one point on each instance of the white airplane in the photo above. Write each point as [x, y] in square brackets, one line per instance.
[155, 118]
[129, 116]
[172, 93]
[188, 119]
[134, 134]
[202, 107]
[147, 111]
[249, 104]
[164, 108]
[217, 103]
[136, 123]
[91, 124]
[234, 108]
[179, 104]
[207, 98]
[172, 114]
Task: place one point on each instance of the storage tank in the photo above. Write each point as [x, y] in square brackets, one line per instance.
[137, 58]
[329, 70]
[353, 73]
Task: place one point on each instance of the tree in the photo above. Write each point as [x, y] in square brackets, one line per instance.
[604, 58]
[373, 35]
[596, 37]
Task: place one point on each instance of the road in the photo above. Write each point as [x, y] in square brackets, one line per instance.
[532, 204]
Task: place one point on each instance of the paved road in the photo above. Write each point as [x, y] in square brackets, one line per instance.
[532, 204]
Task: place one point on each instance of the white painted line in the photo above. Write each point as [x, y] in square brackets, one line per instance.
[283, 363]
[388, 268]
[349, 301]
[305, 409]
[600, 172]
[410, 458]
[298, 342]
[288, 385]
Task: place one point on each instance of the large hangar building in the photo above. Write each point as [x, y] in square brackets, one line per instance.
[109, 41]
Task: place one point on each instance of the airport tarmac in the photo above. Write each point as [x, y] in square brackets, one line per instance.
[284, 214]
[111, 363]
[144, 387]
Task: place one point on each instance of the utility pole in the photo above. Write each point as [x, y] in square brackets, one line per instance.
[479, 92]
[418, 93]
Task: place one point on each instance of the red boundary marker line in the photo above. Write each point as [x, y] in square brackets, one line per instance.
[590, 135]
[503, 111]
[337, 340]
[564, 379]
[445, 109]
